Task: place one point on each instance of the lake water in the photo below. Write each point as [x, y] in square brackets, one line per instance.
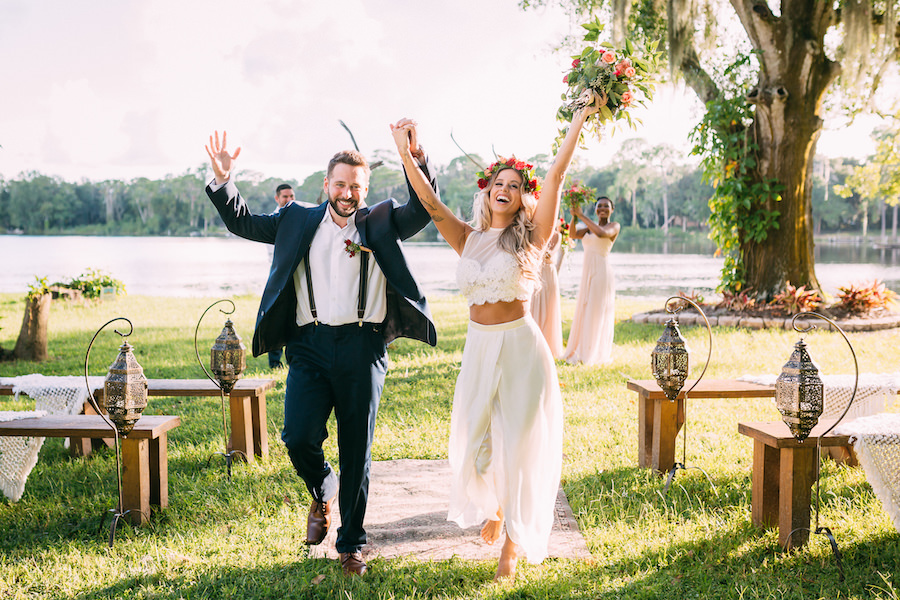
[221, 266]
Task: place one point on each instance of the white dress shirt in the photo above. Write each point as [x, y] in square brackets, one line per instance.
[335, 278]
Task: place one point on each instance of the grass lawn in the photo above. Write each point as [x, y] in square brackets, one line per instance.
[244, 539]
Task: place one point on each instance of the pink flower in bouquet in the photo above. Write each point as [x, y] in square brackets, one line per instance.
[576, 62]
[566, 79]
[629, 71]
[608, 57]
[627, 97]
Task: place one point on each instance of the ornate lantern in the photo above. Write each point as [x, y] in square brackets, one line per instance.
[125, 390]
[227, 357]
[124, 399]
[799, 396]
[670, 362]
[670, 359]
[227, 360]
[799, 393]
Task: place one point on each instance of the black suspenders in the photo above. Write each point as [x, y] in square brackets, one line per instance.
[363, 285]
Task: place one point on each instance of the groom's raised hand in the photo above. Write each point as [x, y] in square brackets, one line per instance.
[222, 161]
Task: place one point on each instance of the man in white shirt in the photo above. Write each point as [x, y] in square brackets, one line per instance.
[339, 290]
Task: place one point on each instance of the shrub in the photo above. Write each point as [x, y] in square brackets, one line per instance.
[737, 301]
[794, 300]
[858, 299]
[92, 282]
[38, 288]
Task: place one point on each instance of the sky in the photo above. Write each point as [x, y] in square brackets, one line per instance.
[120, 89]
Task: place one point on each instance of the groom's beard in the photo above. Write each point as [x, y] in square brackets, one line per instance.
[344, 208]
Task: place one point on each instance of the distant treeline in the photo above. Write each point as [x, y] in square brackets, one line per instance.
[644, 192]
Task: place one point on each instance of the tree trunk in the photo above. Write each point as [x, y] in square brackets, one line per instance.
[32, 342]
[894, 223]
[794, 74]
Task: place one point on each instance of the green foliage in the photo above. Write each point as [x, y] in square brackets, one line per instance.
[860, 298]
[38, 288]
[794, 300]
[93, 281]
[738, 207]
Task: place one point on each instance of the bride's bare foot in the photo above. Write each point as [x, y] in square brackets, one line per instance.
[506, 566]
[490, 532]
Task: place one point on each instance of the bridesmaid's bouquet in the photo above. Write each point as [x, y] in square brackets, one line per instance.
[624, 75]
[577, 195]
[565, 238]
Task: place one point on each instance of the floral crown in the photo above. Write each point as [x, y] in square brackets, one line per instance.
[532, 181]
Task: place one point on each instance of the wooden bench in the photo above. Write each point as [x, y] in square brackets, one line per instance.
[660, 419]
[247, 405]
[784, 471]
[145, 454]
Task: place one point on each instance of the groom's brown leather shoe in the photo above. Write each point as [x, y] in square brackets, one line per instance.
[318, 521]
[352, 563]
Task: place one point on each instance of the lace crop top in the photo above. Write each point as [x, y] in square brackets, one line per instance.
[487, 274]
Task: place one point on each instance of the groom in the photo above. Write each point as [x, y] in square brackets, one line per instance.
[339, 290]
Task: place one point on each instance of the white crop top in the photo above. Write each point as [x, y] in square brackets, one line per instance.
[486, 274]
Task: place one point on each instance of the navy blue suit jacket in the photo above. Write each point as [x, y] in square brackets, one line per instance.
[381, 228]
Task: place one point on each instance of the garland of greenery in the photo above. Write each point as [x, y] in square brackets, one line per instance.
[738, 205]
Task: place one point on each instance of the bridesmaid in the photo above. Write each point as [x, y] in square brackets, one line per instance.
[591, 337]
[545, 302]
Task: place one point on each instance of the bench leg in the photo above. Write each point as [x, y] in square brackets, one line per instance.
[796, 480]
[241, 426]
[645, 431]
[84, 446]
[765, 480]
[260, 430]
[159, 471]
[136, 479]
[668, 417]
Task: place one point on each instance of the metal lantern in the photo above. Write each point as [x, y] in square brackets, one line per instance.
[669, 360]
[799, 393]
[124, 399]
[227, 357]
[227, 360]
[799, 396]
[125, 390]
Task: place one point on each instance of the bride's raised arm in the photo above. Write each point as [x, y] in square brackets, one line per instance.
[451, 227]
[545, 216]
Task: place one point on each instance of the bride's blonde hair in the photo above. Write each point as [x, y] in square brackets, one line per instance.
[518, 237]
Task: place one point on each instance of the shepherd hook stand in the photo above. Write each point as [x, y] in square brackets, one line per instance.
[115, 513]
[228, 454]
[822, 530]
[681, 465]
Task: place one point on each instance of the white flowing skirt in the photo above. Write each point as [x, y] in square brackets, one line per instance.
[506, 433]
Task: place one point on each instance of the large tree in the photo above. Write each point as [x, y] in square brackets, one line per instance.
[800, 48]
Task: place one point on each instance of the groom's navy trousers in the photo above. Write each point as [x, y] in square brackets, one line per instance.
[340, 369]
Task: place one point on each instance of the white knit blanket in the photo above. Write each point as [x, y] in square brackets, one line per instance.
[876, 440]
[52, 396]
[875, 393]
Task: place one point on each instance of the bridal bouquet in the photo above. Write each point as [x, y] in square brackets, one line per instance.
[624, 75]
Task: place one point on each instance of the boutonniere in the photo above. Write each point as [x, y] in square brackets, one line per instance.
[353, 248]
